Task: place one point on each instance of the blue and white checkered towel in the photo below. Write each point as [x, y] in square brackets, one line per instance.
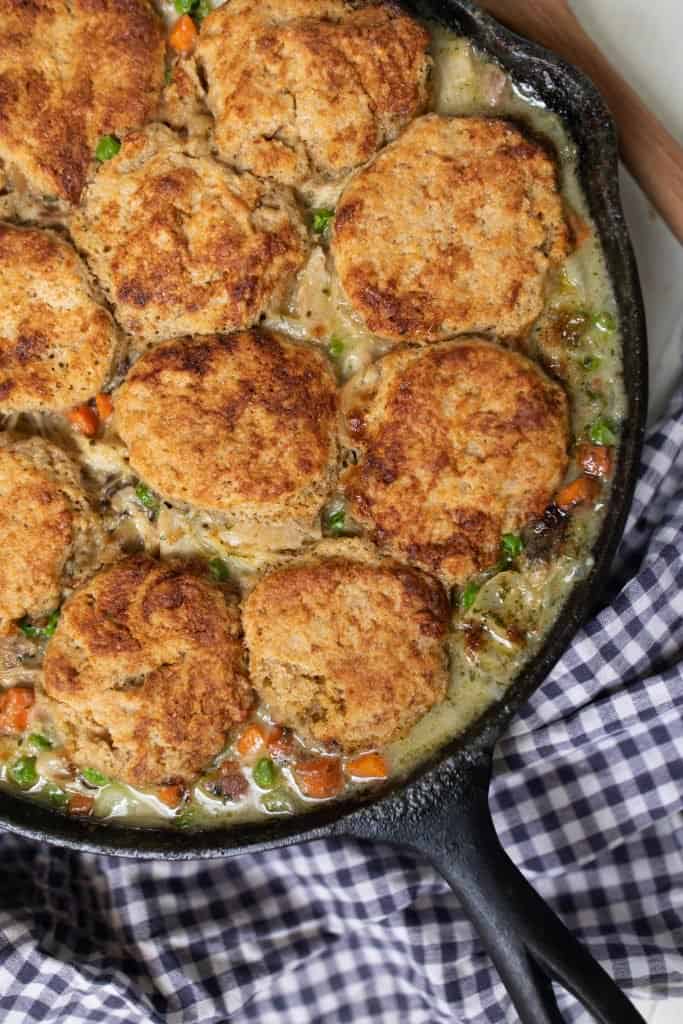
[586, 798]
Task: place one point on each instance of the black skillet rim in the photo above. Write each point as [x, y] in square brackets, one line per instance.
[570, 94]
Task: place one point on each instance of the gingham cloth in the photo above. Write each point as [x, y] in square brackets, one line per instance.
[586, 798]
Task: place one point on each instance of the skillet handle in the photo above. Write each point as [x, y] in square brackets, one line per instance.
[527, 942]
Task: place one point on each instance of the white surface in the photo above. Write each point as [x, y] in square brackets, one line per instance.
[668, 1011]
[642, 38]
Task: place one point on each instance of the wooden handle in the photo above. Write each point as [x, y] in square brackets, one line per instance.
[652, 155]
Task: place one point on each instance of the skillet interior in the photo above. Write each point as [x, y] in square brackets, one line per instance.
[568, 93]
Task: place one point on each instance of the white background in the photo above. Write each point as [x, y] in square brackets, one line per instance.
[644, 39]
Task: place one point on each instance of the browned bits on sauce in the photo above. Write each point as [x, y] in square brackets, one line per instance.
[595, 460]
[229, 782]
[81, 805]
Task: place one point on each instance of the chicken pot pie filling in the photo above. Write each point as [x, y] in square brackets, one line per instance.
[293, 546]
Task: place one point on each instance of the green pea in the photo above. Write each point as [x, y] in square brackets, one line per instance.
[469, 595]
[146, 498]
[23, 772]
[218, 570]
[604, 322]
[40, 632]
[591, 363]
[334, 521]
[602, 431]
[265, 773]
[56, 796]
[277, 802]
[511, 546]
[33, 632]
[93, 777]
[38, 741]
[186, 818]
[321, 219]
[200, 9]
[106, 148]
[51, 624]
[335, 347]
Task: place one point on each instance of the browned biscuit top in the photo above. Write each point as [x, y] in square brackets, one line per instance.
[303, 88]
[70, 73]
[48, 532]
[347, 648]
[452, 229]
[144, 675]
[457, 444]
[57, 342]
[181, 244]
[242, 423]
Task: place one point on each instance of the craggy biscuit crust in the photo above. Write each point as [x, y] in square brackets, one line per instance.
[70, 73]
[48, 532]
[242, 423]
[452, 229]
[144, 675]
[347, 648]
[183, 245]
[302, 89]
[456, 443]
[57, 342]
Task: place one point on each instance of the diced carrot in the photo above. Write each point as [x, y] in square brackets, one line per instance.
[320, 777]
[595, 459]
[183, 34]
[105, 406]
[15, 705]
[79, 803]
[170, 795]
[368, 766]
[583, 489]
[282, 743]
[85, 419]
[252, 740]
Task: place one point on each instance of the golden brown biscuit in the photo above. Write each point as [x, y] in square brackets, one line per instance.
[182, 104]
[310, 88]
[144, 675]
[456, 444]
[346, 648]
[242, 423]
[57, 343]
[182, 244]
[452, 229]
[49, 535]
[70, 73]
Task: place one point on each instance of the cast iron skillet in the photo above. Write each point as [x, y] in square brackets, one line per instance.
[442, 811]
